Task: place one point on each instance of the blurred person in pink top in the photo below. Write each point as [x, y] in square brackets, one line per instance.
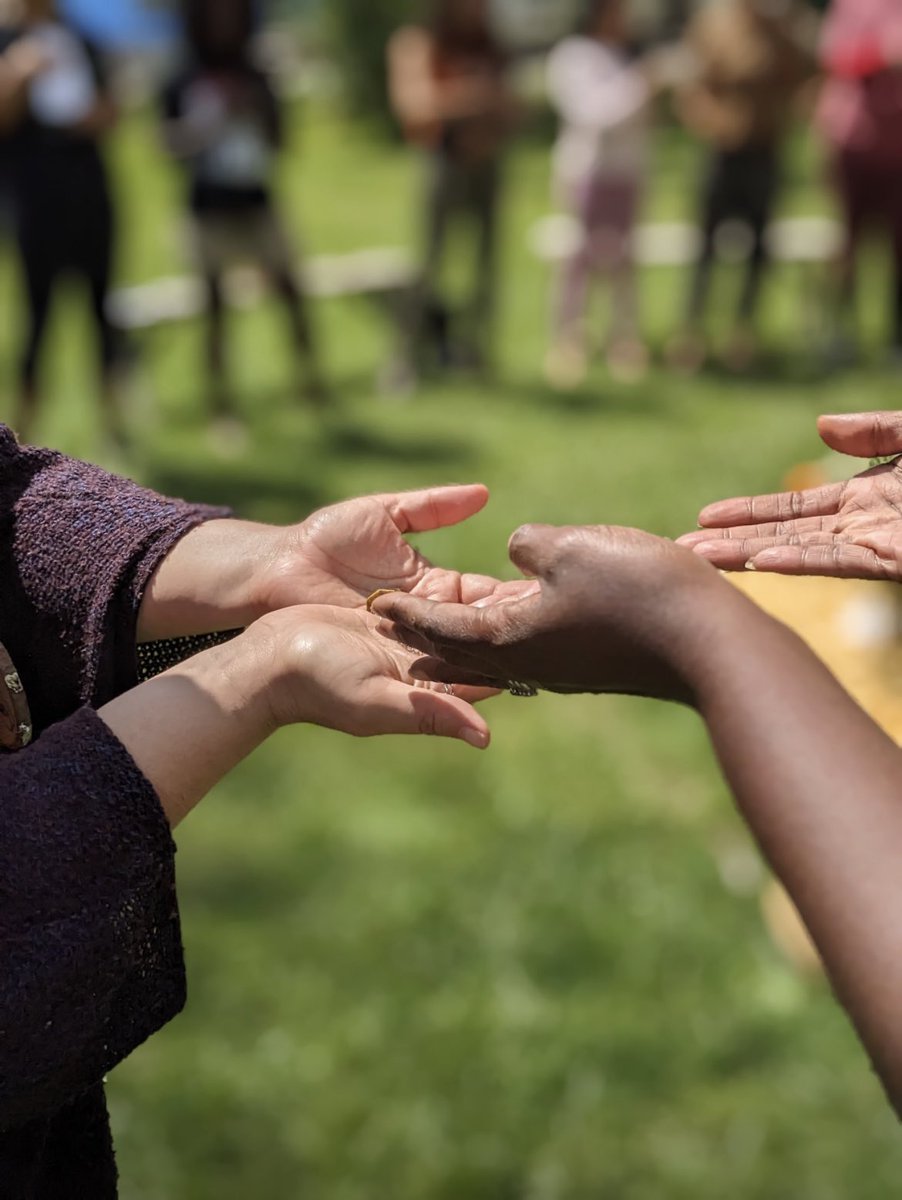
[603, 99]
[861, 117]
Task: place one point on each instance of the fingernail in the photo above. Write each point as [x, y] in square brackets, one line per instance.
[750, 566]
[474, 738]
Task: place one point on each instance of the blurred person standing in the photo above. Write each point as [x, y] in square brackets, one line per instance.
[752, 60]
[55, 109]
[860, 116]
[600, 166]
[449, 89]
[223, 122]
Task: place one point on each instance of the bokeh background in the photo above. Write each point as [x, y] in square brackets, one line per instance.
[416, 972]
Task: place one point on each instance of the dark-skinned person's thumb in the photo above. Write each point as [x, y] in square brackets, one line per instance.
[535, 549]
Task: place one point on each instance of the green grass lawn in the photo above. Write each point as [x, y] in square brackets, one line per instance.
[425, 974]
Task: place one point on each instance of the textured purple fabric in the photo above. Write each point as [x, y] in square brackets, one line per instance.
[90, 953]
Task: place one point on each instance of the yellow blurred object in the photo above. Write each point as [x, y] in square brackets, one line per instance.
[804, 476]
[787, 929]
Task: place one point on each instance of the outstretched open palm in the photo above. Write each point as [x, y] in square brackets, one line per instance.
[849, 530]
[341, 555]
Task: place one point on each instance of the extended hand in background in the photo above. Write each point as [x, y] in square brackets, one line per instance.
[617, 610]
[848, 530]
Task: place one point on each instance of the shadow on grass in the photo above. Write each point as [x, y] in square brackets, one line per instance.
[774, 368]
[598, 396]
[238, 485]
[353, 443]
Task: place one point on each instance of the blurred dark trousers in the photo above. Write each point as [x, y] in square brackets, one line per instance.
[739, 185]
[471, 192]
[60, 235]
[870, 191]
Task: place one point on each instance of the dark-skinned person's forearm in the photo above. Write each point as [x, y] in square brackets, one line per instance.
[820, 785]
[189, 727]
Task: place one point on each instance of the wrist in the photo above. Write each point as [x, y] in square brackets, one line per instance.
[239, 678]
[723, 627]
[210, 581]
[272, 556]
[275, 670]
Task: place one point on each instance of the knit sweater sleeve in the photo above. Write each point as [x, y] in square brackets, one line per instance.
[89, 933]
[77, 549]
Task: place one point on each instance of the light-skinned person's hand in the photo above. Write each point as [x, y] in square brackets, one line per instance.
[847, 530]
[328, 667]
[226, 574]
[616, 610]
[187, 728]
[342, 554]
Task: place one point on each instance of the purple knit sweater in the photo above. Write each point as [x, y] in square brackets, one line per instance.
[90, 951]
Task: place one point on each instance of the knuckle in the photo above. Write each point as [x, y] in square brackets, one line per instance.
[427, 724]
[888, 431]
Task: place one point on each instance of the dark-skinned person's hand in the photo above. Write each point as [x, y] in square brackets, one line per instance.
[848, 530]
[615, 610]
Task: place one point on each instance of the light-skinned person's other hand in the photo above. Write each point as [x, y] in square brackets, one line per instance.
[328, 667]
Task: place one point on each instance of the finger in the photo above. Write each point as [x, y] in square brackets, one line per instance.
[535, 549]
[464, 682]
[436, 508]
[441, 585]
[453, 588]
[469, 660]
[836, 561]
[405, 709]
[482, 589]
[783, 506]
[476, 587]
[439, 624]
[773, 530]
[863, 435]
[406, 637]
[507, 593]
[733, 554]
[888, 548]
[469, 687]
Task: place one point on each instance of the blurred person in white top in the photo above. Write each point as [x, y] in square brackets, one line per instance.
[603, 97]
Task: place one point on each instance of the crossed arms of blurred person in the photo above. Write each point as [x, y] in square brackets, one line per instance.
[818, 782]
[422, 101]
[20, 65]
